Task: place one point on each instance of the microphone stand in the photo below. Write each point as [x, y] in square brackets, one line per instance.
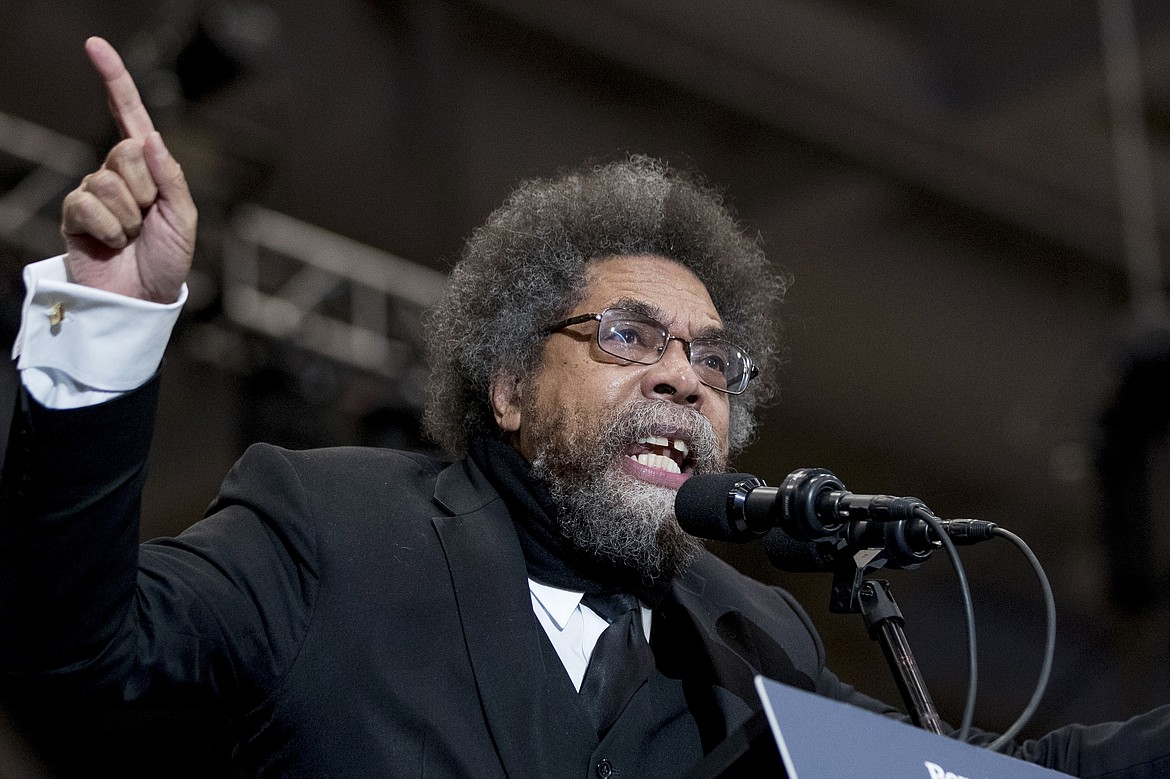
[740, 754]
[853, 594]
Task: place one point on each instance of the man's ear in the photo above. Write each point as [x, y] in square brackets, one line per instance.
[505, 398]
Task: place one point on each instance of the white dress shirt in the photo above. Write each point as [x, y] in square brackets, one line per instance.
[78, 346]
[572, 627]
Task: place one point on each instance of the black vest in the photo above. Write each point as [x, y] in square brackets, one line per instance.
[655, 736]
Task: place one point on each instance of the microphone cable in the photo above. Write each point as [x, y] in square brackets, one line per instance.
[925, 514]
[1029, 711]
[791, 553]
[1049, 640]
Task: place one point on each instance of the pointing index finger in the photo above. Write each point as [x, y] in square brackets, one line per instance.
[125, 102]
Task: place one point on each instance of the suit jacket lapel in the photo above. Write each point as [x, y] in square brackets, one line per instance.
[516, 686]
[717, 651]
[716, 682]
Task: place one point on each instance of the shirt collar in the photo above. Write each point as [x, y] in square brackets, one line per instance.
[558, 604]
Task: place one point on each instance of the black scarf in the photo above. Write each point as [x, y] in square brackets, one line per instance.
[548, 555]
[679, 649]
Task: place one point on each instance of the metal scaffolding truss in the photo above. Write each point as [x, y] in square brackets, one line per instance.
[325, 293]
[287, 281]
[39, 166]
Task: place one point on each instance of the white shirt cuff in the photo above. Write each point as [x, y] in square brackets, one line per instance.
[78, 346]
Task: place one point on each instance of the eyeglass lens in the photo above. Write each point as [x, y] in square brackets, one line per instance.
[638, 338]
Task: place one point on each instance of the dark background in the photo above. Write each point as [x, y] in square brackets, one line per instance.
[936, 175]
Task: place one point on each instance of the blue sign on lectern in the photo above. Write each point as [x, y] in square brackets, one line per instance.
[819, 738]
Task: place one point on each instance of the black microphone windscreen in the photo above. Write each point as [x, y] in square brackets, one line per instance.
[701, 507]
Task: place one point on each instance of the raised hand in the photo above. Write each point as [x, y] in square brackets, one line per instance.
[130, 226]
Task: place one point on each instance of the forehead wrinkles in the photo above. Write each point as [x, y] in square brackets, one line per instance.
[638, 273]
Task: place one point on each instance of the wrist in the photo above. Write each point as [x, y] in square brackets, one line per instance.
[99, 339]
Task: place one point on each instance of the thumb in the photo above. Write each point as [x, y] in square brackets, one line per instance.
[173, 193]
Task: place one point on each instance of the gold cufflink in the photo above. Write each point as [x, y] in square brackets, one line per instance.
[56, 314]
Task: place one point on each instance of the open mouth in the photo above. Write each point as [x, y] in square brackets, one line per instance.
[664, 453]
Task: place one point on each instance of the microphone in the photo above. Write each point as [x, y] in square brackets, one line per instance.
[812, 522]
[811, 504]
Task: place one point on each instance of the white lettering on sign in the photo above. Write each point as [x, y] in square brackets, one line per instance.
[937, 772]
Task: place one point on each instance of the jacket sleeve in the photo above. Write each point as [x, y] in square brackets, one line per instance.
[85, 609]
[69, 499]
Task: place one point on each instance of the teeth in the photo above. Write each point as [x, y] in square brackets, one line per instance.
[669, 443]
[657, 461]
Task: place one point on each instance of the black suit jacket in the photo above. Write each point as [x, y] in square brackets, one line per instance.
[363, 612]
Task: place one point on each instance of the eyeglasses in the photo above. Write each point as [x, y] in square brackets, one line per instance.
[638, 338]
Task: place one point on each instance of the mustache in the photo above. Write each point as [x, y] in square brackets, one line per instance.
[642, 418]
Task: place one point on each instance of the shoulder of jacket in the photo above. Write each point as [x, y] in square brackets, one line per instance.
[347, 457]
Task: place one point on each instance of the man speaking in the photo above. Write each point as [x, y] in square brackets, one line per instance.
[530, 608]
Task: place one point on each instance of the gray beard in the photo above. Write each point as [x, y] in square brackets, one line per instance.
[610, 515]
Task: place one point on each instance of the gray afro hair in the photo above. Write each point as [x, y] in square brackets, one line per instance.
[525, 269]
